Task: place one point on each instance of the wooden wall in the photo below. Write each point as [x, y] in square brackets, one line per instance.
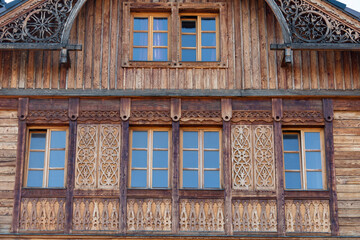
[250, 25]
[8, 144]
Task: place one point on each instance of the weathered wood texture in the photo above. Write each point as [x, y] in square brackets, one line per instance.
[8, 144]
[347, 163]
[250, 64]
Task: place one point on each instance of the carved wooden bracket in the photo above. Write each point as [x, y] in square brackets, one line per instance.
[125, 108]
[277, 109]
[23, 108]
[175, 109]
[328, 110]
[226, 109]
[73, 108]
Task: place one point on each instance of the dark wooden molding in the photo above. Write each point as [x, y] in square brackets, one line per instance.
[175, 175]
[226, 158]
[23, 108]
[201, 194]
[329, 153]
[8, 104]
[39, 46]
[307, 195]
[124, 161]
[317, 46]
[226, 109]
[149, 193]
[98, 193]
[43, 193]
[175, 109]
[125, 108]
[74, 108]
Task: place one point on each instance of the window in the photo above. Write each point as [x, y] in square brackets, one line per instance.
[46, 158]
[149, 154]
[201, 158]
[150, 37]
[304, 159]
[199, 37]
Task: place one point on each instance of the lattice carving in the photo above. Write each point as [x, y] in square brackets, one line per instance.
[99, 116]
[254, 216]
[242, 161]
[96, 214]
[251, 116]
[264, 162]
[308, 23]
[42, 214]
[156, 115]
[49, 115]
[303, 116]
[43, 24]
[202, 215]
[201, 116]
[149, 215]
[307, 216]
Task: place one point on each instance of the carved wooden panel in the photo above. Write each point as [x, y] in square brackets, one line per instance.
[42, 214]
[303, 117]
[201, 116]
[307, 216]
[98, 156]
[96, 214]
[254, 216]
[202, 215]
[251, 116]
[149, 215]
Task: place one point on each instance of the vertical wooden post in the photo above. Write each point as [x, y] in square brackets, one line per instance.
[328, 111]
[123, 174]
[73, 115]
[277, 112]
[23, 105]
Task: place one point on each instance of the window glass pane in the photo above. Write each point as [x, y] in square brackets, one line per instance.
[208, 55]
[161, 139]
[160, 54]
[188, 26]
[56, 178]
[312, 140]
[313, 160]
[211, 179]
[211, 159]
[314, 180]
[190, 179]
[140, 39]
[139, 139]
[139, 159]
[211, 140]
[57, 158]
[160, 179]
[140, 24]
[190, 159]
[160, 159]
[291, 142]
[208, 24]
[138, 178]
[188, 55]
[35, 179]
[140, 54]
[208, 39]
[36, 159]
[292, 180]
[292, 161]
[160, 24]
[58, 139]
[190, 139]
[188, 40]
[38, 141]
[160, 39]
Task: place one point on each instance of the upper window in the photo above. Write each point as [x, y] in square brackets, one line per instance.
[149, 154]
[201, 158]
[150, 37]
[46, 158]
[199, 37]
[304, 159]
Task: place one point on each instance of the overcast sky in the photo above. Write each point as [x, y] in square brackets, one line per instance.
[354, 4]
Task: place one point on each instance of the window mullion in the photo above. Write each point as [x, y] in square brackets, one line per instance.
[47, 159]
[201, 164]
[149, 162]
[198, 38]
[303, 161]
[150, 43]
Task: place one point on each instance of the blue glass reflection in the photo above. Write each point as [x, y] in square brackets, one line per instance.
[211, 140]
[190, 179]
[292, 161]
[190, 139]
[188, 40]
[160, 54]
[139, 159]
[160, 159]
[140, 24]
[36, 159]
[208, 24]
[57, 158]
[291, 142]
[208, 55]
[58, 139]
[161, 139]
[314, 180]
[56, 178]
[211, 179]
[160, 179]
[312, 140]
[38, 141]
[139, 139]
[211, 159]
[35, 179]
[160, 24]
[140, 54]
[188, 55]
[208, 39]
[292, 180]
[160, 39]
[188, 26]
[313, 160]
[190, 159]
[138, 178]
[140, 39]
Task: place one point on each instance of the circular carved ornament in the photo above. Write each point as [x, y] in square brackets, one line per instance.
[42, 24]
[311, 26]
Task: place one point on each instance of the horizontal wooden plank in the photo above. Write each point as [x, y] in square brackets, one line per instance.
[339, 115]
[6, 211]
[349, 204]
[349, 212]
[346, 124]
[8, 122]
[8, 103]
[348, 196]
[8, 153]
[349, 221]
[8, 130]
[350, 231]
[347, 163]
[7, 185]
[5, 219]
[348, 188]
[346, 131]
[7, 171]
[8, 114]
[346, 155]
[347, 147]
[8, 138]
[7, 194]
[7, 202]
[347, 172]
[347, 179]
[8, 145]
[346, 105]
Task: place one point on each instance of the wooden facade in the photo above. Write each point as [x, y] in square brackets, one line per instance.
[270, 78]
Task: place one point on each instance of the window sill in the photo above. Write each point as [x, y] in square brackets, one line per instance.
[43, 192]
[307, 195]
[146, 192]
[201, 193]
[168, 64]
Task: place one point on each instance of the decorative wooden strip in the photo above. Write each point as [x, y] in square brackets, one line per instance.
[150, 115]
[201, 116]
[202, 215]
[254, 216]
[149, 215]
[96, 214]
[42, 214]
[251, 116]
[307, 216]
[303, 117]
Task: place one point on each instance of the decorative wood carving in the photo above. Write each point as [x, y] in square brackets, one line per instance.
[201, 116]
[96, 214]
[308, 23]
[307, 216]
[202, 215]
[151, 115]
[254, 216]
[251, 116]
[48, 115]
[42, 214]
[99, 116]
[149, 215]
[303, 116]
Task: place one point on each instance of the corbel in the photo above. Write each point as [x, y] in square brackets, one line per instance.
[23, 108]
[226, 109]
[288, 57]
[73, 112]
[328, 110]
[125, 108]
[175, 109]
[277, 109]
[64, 57]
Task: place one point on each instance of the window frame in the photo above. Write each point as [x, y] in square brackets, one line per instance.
[201, 150]
[46, 168]
[302, 158]
[150, 150]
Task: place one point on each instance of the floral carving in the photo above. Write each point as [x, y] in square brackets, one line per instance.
[49, 115]
[98, 116]
[159, 115]
[303, 116]
[210, 115]
[252, 116]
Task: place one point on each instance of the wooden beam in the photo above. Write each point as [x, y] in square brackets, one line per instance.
[317, 46]
[175, 173]
[226, 156]
[40, 46]
[124, 160]
[281, 19]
